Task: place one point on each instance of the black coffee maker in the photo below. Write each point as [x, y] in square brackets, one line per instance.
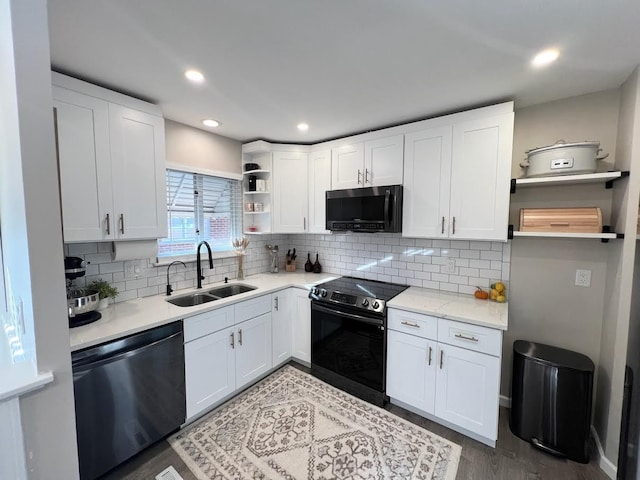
[81, 302]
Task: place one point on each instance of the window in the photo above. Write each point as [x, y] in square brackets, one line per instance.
[200, 207]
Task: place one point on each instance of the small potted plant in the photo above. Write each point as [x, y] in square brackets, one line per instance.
[105, 292]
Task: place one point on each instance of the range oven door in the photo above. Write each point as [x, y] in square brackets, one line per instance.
[349, 345]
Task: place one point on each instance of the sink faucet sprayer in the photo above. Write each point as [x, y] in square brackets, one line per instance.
[169, 289]
[199, 275]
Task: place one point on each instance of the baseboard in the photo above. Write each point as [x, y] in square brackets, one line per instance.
[505, 401]
[603, 462]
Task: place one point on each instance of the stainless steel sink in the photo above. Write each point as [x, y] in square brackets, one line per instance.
[192, 299]
[230, 290]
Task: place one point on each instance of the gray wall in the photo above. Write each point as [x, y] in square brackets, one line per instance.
[191, 147]
[545, 305]
[33, 243]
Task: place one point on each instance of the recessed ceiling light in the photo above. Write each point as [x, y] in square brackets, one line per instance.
[303, 127]
[545, 57]
[211, 123]
[194, 75]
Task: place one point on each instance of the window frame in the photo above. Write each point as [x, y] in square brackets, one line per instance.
[189, 258]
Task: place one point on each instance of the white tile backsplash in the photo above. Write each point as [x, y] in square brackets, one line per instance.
[383, 256]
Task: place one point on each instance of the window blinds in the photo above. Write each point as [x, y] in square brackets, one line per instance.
[200, 207]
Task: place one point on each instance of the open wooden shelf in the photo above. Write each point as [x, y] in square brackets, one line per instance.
[601, 236]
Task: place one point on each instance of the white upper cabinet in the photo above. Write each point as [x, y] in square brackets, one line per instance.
[427, 173]
[138, 173]
[480, 174]
[111, 164]
[383, 161]
[319, 183]
[369, 164]
[456, 179]
[347, 166]
[290, 192]
[82, 135]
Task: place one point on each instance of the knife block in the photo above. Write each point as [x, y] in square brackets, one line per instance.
[290, 267]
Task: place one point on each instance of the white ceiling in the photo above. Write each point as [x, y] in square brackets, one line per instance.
[343, 66]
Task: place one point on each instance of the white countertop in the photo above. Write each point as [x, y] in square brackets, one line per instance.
[127, 318]
[454, 306]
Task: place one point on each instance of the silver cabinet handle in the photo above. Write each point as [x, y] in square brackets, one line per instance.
[441, 358]
[276, 304]
[464, 337]
[430, 351]
[442, 231]
[240, 337]
[108, 225]
[411, 324]
[304, 223]
[122, 223]
[233, 343]
[454, 226]
[359, 174]
[366, 175]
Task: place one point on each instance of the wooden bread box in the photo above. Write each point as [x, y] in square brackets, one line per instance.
[565, 220]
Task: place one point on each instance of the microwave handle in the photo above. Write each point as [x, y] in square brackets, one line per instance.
[387, 208]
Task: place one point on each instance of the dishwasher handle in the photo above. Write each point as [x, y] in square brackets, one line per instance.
[98, 360]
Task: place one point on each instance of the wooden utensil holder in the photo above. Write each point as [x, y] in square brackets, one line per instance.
[290, 267]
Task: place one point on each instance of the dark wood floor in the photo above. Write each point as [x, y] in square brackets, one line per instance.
[512, 459]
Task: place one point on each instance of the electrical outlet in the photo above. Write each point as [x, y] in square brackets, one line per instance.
[449, 266]
[583, 278]
[132, 269]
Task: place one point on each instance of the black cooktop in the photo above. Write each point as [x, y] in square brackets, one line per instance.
[370, 295]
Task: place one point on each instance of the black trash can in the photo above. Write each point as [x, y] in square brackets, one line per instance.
[551, 391]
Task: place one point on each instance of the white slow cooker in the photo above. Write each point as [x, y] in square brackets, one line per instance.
[562, 158]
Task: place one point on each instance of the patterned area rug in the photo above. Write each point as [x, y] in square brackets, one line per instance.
[294, 426]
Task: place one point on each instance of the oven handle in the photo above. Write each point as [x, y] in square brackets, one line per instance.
[352, 316]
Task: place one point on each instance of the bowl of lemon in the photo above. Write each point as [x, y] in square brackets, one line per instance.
[498, 292]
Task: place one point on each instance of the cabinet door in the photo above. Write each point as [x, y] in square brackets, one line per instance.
[138, 172]
[209, 370]
[290, 195]
[319, 183]
[383, 161]
[301, 328]
[481, 167]
[411, 372]
[467, 389]
[347, 166]
[427, 176]
[281, 326]
[84, 162]
[253, 349]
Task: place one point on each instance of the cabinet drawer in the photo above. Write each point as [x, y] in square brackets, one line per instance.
[208, 322]
[471, 337]
[252, 308]
[414, 323]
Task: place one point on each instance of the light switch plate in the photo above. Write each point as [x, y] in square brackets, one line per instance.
[583, 278]
[449, 266]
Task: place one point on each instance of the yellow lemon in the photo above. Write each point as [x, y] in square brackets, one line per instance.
[494, 293]
[500, 298]
[499, 287]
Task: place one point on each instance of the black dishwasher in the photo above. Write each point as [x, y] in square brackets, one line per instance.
[129, 393]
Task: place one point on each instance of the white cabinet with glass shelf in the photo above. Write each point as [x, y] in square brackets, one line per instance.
[606, 178]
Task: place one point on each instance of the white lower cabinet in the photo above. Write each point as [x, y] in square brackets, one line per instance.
[411, 370]
[253, 349]
[210, 370]
[301, 326]
[458, 385]
[281, 316]
[467, 390]
[225, 350]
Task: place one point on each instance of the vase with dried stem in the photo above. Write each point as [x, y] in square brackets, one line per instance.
[240, 245]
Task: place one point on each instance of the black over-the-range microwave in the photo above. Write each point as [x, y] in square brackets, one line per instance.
[370, 209]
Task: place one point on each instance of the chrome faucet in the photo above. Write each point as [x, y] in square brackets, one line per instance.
[199, 275]
[169, 289]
